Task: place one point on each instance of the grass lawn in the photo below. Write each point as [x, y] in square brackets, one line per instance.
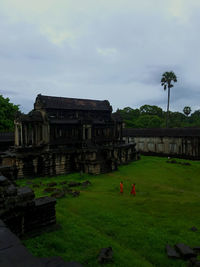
[166, 206]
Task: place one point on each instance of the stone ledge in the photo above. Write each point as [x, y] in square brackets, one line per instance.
[13, 253]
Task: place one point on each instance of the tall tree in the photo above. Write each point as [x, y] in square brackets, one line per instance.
[187, 111]
[166, 82]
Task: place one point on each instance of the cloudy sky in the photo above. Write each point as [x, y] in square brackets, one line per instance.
[102, 49]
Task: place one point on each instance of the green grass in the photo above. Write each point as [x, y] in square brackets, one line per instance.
[166, 206]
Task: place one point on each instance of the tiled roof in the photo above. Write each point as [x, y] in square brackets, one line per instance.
[52, 102]
[174, 132]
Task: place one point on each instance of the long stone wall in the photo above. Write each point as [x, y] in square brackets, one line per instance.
[175, 146]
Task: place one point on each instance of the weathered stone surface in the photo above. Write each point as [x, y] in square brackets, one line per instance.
[185, 251]
[194, 229]
[52, 184]
[172, 253]
[2, 224]
[18, 256]
[86, 183]
[76, 193]
[29, 182]
[58, 194]
[7, 238]
[50, 189]
[10, 190]
[21, 212]
[14, 254]
[194, 262]
[58, 262]
[106, 255]
[186, 163]
[196, 249]
[3, 181]
[64, 182]
[25, 193]
[44, 201]
[73, 184]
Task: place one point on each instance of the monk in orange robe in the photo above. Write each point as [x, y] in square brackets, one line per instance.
[121, 187]
[133, 190]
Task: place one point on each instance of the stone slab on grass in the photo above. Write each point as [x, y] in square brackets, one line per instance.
[185, 251]
[172, 253]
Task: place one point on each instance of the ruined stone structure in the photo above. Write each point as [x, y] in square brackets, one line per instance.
[21, 212]
[62, 135]
[174, 142]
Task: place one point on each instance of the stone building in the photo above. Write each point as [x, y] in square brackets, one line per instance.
[174, 142]
[62, 135]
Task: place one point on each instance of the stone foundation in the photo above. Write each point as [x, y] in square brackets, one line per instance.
[57, 161]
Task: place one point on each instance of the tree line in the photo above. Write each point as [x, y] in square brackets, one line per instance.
[150, 116]
[147, 116]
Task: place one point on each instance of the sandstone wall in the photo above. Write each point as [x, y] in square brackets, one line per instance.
[185, 147]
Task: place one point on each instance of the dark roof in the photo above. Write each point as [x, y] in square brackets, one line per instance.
[117, 117]
[161, 132]
[33, 115]
[53, 102]
[7, 137]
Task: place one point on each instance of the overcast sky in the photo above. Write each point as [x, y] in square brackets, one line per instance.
[100, 49]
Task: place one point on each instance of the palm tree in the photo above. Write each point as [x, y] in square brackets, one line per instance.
[166, 82]
[187, 111]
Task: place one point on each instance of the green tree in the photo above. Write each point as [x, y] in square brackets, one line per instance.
[151, 110]
[166, 82]
[7, 114]
[187, 111]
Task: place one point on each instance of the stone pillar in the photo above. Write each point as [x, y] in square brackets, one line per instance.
[32, 134]
[25, 135]
[83, 132]
[16, 135]
[89, 132]
[21, 133]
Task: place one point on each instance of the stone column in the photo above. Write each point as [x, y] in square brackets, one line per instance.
[25, 135]
[21, 129]
[16, 135]
[83, 132]
[89, 132]
[32, 134]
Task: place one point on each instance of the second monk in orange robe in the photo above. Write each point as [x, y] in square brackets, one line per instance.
[133, 190]
[121, 187]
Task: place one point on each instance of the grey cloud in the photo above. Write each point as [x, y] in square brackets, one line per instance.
[146, 45]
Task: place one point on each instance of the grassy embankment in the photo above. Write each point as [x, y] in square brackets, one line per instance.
[166, 206]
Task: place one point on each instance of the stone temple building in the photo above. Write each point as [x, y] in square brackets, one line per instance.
[62, 135]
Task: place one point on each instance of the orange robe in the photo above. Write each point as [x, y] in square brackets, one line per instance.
[133, 190]
[121, 188]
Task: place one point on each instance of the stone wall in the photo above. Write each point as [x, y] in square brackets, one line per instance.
[174, 146]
